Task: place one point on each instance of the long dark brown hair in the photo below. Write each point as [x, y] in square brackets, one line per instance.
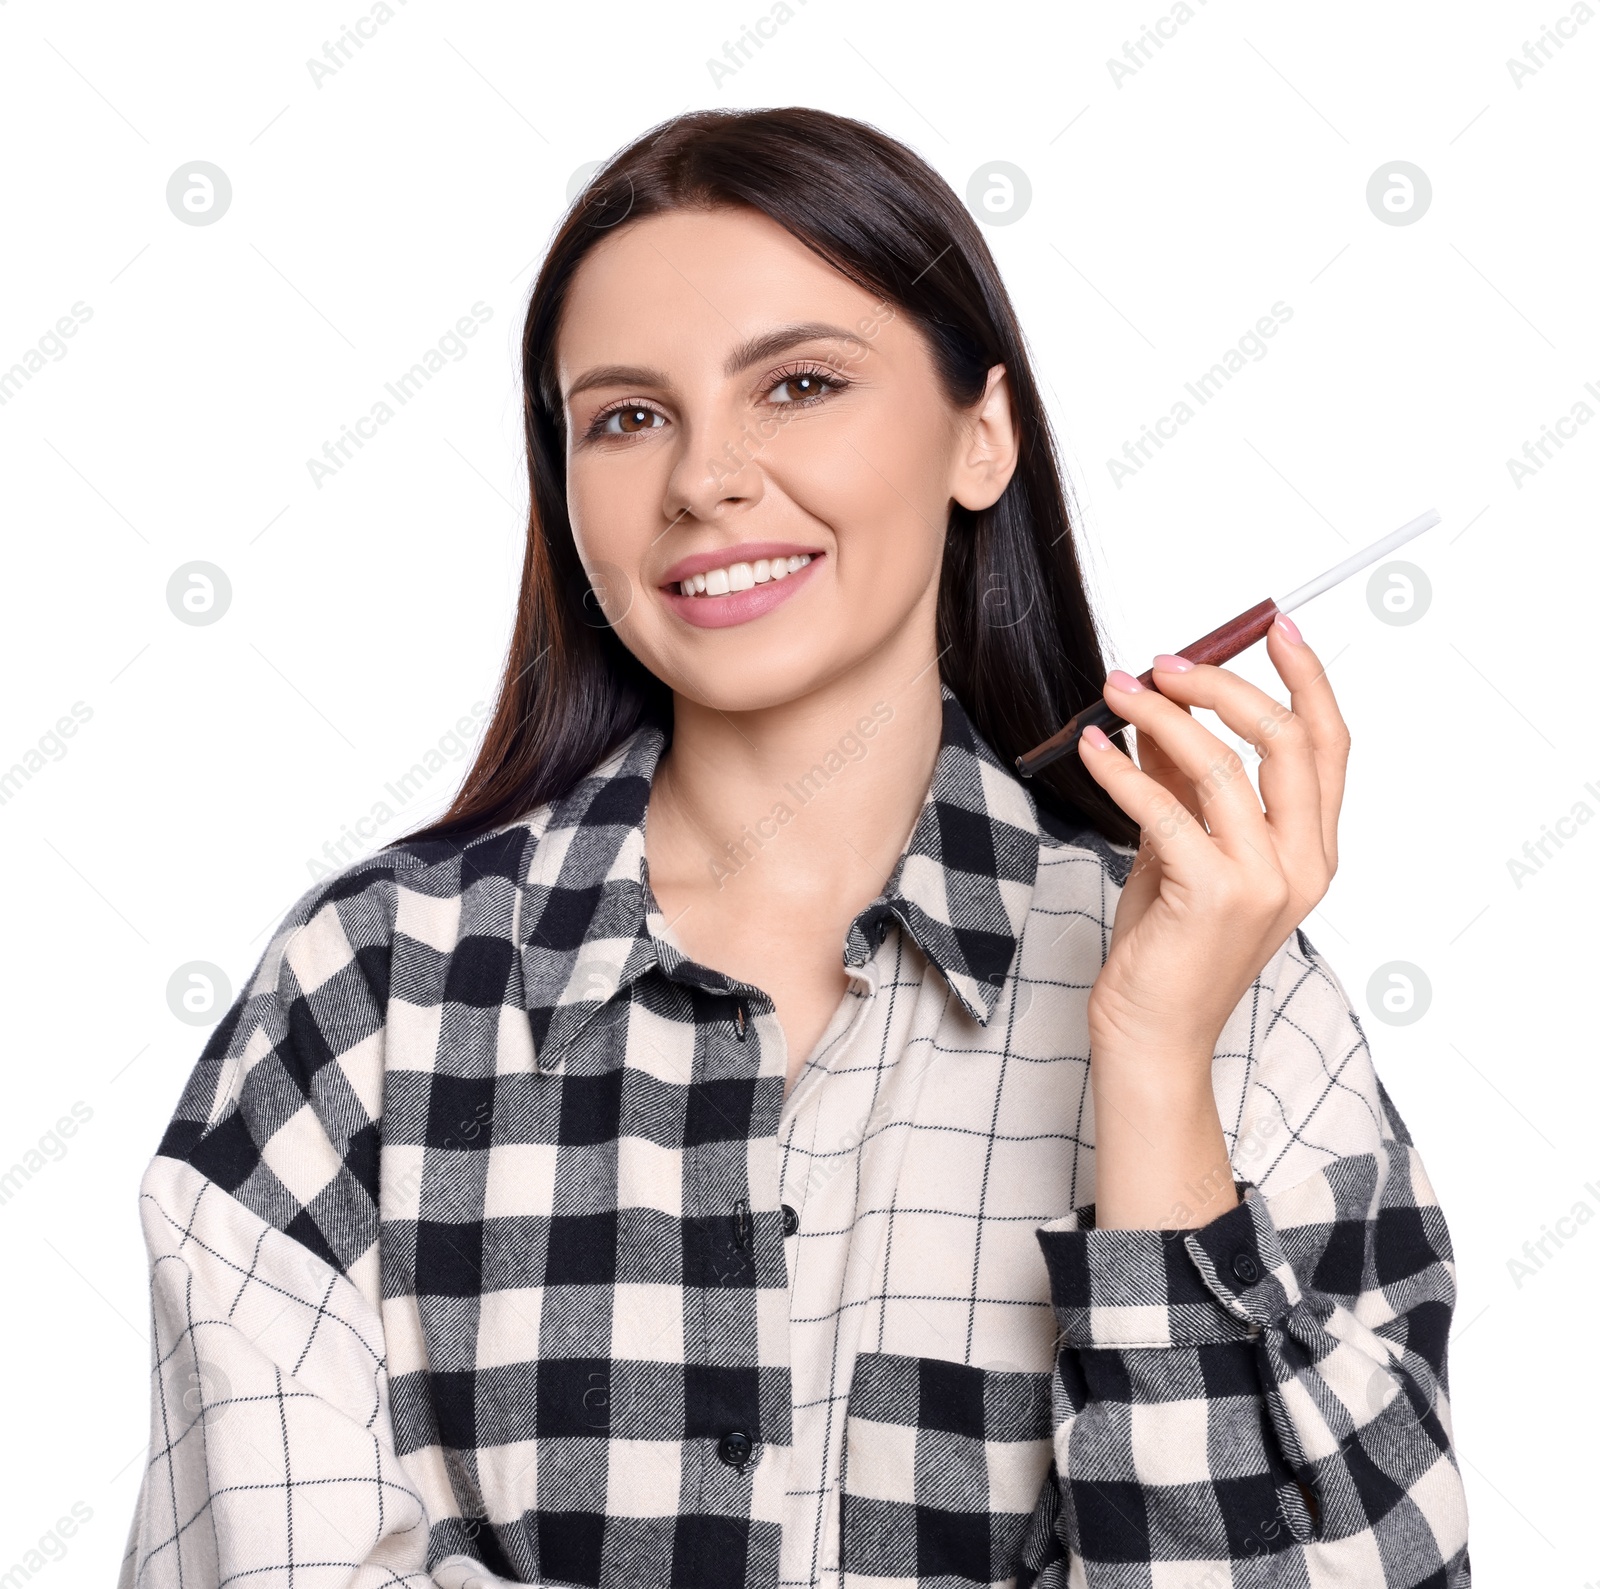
[1017, 640]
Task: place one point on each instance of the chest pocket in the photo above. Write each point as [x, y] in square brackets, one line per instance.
[943, 1467]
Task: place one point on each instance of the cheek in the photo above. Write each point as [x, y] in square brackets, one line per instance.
[882, 486]
[610, 511]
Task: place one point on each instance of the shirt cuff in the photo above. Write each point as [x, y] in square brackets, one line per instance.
[1225, 1281]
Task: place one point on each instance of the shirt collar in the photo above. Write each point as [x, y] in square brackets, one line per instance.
[961, 889]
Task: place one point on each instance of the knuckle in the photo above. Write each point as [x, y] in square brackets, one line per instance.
[1279, 721]
[1226, 767]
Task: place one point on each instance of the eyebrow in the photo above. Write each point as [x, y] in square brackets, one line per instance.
[752, 351]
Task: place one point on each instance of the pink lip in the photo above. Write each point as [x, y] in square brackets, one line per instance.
[726, 556]
[723, 612]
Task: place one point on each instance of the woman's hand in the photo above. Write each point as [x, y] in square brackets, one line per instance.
[1221, 878]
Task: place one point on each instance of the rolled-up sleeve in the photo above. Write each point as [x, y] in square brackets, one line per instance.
[1270, 1387]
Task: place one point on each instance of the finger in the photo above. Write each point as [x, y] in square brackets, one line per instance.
[1312, 700]
[1227, 797]
[1290, 791]
[1154, 758]
[1166, 826]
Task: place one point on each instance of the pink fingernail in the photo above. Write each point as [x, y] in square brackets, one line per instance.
[1123, 681]
[1287, 627]
[1097, 737]
[1167, 663]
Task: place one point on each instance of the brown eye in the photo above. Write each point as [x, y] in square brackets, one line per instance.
[803, 384]
[628, 421]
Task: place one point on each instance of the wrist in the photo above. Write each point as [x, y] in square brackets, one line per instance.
[1161, 1159]
[1156, 1070]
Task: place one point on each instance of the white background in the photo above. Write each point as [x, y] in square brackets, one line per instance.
[1169, 211]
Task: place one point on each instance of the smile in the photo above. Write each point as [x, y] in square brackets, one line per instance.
[741, 576]
[744, 588]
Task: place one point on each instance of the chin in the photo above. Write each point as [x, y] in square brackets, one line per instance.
[755, 673]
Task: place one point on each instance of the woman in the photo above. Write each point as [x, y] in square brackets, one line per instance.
[561, 1204]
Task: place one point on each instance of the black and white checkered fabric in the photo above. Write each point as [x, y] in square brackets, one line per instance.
[468, 1250]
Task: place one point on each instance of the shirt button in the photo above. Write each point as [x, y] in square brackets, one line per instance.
[1245, 1268]
[791, 1221]
[734, 1448]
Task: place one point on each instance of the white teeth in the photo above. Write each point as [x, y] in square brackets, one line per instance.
[737, 576]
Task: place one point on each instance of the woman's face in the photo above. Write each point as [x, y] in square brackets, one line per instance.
[746, 424]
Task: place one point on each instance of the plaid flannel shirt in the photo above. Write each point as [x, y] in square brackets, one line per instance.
[468, 1263]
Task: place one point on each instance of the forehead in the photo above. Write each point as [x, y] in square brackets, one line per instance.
[683, 287]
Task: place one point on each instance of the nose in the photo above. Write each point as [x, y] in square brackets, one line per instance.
[715, 473]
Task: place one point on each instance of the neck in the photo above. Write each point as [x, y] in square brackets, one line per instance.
[816, 796]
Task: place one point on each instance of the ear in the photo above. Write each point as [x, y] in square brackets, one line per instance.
[986, 449]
